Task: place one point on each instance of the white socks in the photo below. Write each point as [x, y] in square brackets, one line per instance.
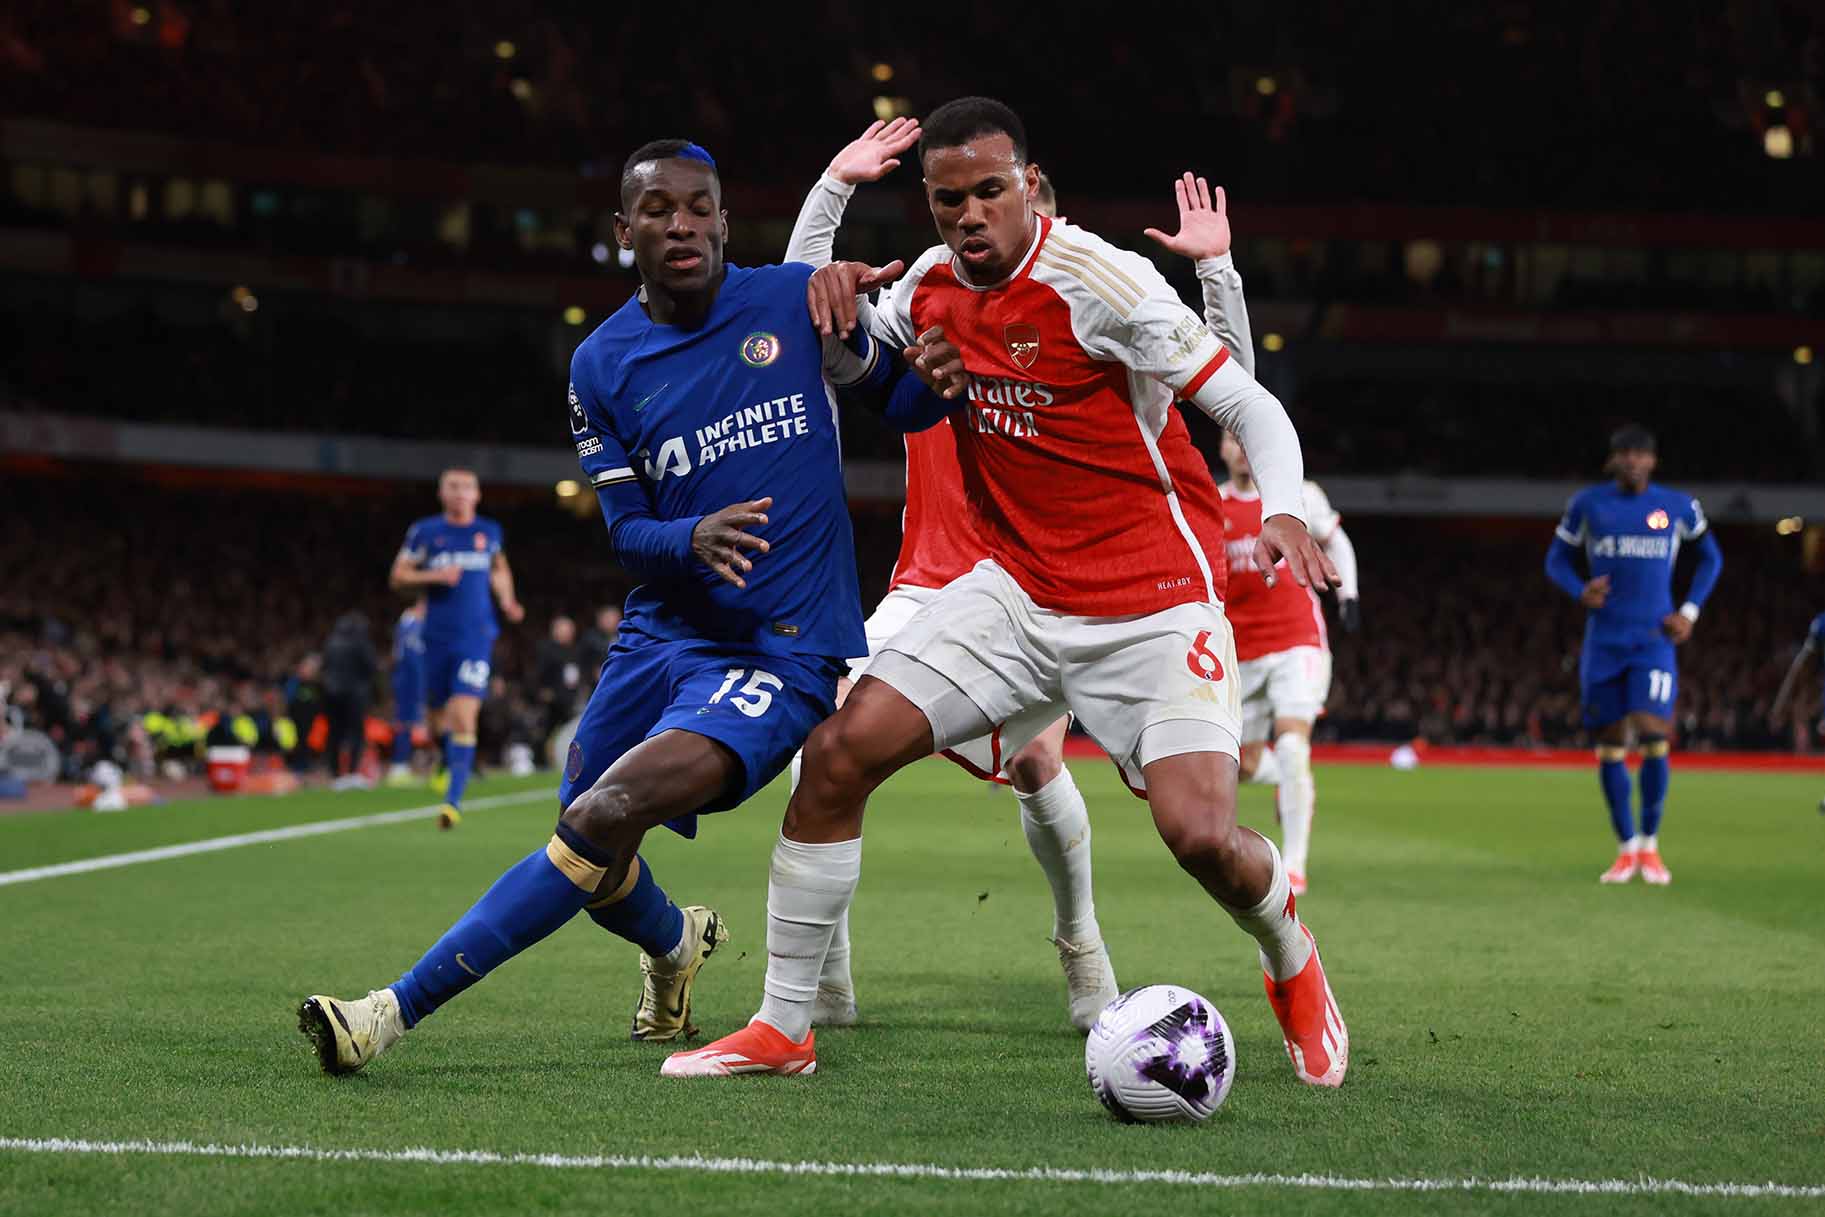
[1057, 828]
[1298, 797]
[836, 960]
[1267, 769]
[1274, 924]
[808, 893]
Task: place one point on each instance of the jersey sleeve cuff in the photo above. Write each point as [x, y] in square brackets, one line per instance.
[841, 189]
[1208, 267]
[1205, 373]
[1689, 611]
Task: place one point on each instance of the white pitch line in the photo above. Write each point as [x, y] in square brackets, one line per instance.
[83, 866]
[920, 1170]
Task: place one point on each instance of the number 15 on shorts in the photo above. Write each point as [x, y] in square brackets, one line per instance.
[754, 697]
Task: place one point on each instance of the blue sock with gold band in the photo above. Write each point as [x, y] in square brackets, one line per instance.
[462, 758]
[1656, 772]
[641, 912]
[1613, 773]
[530, 902]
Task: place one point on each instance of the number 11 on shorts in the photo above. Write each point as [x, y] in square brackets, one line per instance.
[754, 697]
[1660, 685]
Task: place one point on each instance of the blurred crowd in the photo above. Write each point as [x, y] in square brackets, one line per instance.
[309, 368]
[140, 621]
[1609, 105]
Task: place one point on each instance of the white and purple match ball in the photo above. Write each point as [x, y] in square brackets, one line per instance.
[1160, 1052]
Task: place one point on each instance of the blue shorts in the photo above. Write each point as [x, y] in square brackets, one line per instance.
[408, 679]
[457, 669]
[1622, 678]
[759, 706]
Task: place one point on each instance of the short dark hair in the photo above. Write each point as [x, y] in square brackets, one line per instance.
[662, 150]
[956, 123]
[1632, 437]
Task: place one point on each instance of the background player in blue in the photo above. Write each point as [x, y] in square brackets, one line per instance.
[1630, 531]
[456, 562]
[1812, 649]
[701, 416]
[408, 681]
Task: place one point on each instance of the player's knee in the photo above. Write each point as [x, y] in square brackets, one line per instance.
[1033, 767]
[1201, 834]
[837, 759]
[605, 813]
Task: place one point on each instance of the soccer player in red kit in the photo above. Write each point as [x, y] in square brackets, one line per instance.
[1103, 587]
[938, 545]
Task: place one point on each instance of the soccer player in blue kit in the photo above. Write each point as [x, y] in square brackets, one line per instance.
[408, 681]
[1630, 531]
[456, 562]
[701, 416]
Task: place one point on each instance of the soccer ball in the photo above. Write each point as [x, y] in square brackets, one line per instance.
[1160, 1053]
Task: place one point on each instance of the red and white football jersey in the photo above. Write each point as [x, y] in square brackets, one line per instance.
[1268, 620]
[1077, 472]
[937, 541]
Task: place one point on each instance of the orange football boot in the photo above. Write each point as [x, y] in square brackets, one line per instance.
[757, 1048]
[1295, 882]
[1316, 1039]
[1653, 870]
[1621, 870]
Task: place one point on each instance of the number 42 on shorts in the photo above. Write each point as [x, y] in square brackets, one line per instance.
[754, 697]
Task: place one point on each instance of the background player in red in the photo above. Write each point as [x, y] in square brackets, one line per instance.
[1282, 647]
[1104, 584]
[938, 545]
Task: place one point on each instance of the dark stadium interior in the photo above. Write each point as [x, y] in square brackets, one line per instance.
[395, 221]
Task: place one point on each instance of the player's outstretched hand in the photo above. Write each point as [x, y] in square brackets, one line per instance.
[513, 611]
[720, 537]
[1283, 536]
[937, 361]
[1676, 626]
[832, 292]
[1349, 614]
[875, 154]
[1203, 221]
[1595, 592]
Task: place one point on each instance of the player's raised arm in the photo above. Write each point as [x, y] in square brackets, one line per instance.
[1204, 237]
[500, 580]
[868, 158]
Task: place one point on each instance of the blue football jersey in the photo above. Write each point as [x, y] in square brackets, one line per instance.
[1634, 539]
[464, 612]
[408, 637]
[698, 419]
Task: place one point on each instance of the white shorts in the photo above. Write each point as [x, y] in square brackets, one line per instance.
[1293, 683]
[1145, 687]
[983, 756]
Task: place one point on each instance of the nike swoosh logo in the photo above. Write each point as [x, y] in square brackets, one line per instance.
[642, 403]
[464, 965]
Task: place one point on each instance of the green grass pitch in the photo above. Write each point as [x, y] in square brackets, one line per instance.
[1509, 1017]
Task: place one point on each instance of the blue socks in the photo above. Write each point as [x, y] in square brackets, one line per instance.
[461, 754]
[1613, 773]
[536, 896]
[402, 743]
[645, 915]
[1656, 772]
